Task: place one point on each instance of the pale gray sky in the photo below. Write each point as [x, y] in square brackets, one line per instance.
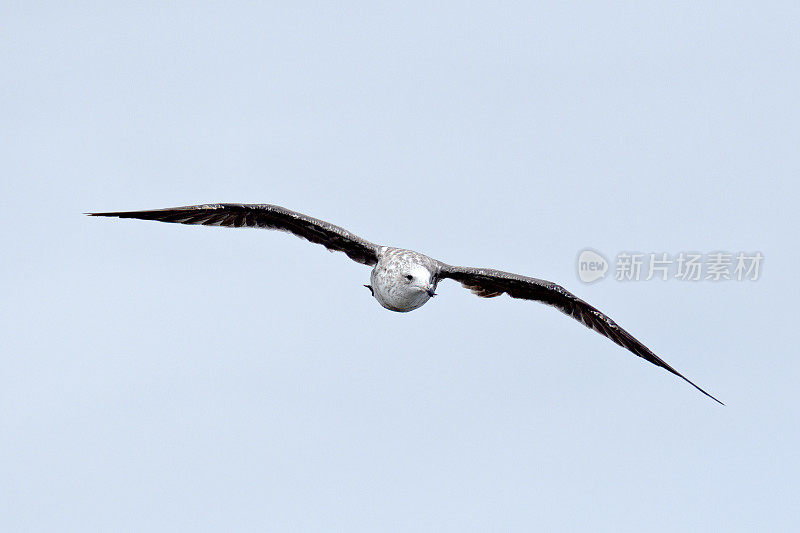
[164, 377]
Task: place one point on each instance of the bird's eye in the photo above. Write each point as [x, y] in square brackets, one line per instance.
[409, 277]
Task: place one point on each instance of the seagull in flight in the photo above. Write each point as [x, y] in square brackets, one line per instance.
[403, 280]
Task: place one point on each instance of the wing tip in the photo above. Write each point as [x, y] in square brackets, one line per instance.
[110, 214]
[704, 392]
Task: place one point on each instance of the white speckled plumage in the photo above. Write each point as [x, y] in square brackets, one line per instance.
[403, 280]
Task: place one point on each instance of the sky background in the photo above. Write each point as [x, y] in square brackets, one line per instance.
[161, 377]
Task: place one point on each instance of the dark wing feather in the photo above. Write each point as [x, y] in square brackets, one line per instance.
[488, 283]
[267, 216]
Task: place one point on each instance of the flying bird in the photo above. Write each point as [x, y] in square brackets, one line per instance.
[403, 280]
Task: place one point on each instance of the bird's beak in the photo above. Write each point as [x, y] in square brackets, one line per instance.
[430, 292]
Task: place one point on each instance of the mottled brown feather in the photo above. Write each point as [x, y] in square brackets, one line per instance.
[488, 283]
[275, 217]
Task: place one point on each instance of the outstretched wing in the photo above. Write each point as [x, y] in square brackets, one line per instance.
[267, 216]
[488, 283]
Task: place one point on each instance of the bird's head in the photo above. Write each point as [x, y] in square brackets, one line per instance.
[417, 278]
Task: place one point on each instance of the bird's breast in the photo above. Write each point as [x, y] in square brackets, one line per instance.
[395, 296]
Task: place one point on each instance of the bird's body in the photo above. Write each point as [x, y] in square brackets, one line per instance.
[403, 280]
